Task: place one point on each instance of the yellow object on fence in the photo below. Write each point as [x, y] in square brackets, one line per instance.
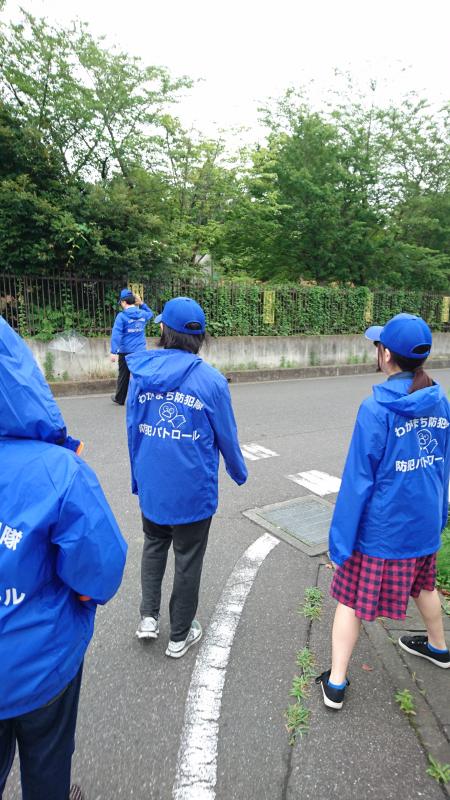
[137, 288]
[445, 315]
[368, 311]
[269, 307]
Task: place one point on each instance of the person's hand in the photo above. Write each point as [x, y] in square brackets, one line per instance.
[138, 300]
[113, 357]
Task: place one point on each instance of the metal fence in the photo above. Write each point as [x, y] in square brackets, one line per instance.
[44, 306]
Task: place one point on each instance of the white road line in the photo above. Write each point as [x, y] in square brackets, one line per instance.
[318, 482]
[255, 451]
[196, 772]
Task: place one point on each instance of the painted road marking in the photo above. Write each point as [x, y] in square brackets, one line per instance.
[318, 482]
[196, 771]
[254, 451]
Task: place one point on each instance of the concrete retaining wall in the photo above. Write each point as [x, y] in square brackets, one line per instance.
[228, 353]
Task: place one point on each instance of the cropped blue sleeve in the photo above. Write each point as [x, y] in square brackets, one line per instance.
[117, 331]
[225, 430]
[364, 455]
[91, 549]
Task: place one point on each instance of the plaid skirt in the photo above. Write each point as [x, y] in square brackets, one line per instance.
[380, 587]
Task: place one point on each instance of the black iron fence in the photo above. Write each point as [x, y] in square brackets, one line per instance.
[41, 307]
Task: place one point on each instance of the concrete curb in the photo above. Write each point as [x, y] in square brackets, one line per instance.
[105, 385]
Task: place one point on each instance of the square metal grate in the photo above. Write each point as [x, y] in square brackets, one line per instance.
[303, 522]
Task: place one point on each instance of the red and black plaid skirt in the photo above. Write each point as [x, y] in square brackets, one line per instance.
[380, 587]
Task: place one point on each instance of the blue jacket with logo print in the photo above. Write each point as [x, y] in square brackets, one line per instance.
[128, 333]
[58, 539]
[179, 417]
[393, 501]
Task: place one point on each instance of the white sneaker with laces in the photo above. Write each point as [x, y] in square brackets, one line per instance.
[178, 649]
[148, 628]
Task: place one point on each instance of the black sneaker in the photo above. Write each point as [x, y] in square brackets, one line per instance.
[116, 401]
[418, 646]
[333, 698]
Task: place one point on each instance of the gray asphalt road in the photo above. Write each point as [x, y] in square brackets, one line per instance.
[133, 697]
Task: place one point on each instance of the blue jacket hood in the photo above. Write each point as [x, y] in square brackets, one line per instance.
[128, 333]
[162, 370]
[27, 407]
[391, 394]
[133, 312]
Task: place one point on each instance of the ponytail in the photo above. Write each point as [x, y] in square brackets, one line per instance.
[421, 379]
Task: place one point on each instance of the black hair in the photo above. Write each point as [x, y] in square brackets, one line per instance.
[421, 379]
[173, 340]
[129, 299]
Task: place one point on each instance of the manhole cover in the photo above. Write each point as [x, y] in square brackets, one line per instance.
[303, 522]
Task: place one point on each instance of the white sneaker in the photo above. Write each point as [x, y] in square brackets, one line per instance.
[148, 628]
[178, 649]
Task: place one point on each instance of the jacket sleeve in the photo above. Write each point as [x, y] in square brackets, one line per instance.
[116, 336]
[91, 550]
[131, 401]
[365, 453]
[148, 312]
[225, 430]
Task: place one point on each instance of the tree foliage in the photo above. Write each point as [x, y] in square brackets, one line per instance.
[98, 177]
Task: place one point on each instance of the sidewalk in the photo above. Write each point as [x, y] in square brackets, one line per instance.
[370, 749]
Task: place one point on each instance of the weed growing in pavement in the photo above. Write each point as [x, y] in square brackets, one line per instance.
[300, 687]
[297, 715]
[312, 603]
[297, 721]
[305, 660]
[440, 772]
[49, 366]
[406, 702]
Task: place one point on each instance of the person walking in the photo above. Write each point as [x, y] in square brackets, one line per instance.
[128, 336]
[61, 553]
[392, 505]
[179, 419]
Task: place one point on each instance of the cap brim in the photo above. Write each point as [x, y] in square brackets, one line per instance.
[374, 333]
[158, 319]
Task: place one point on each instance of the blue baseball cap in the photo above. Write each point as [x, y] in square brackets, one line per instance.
[184, 315]
[405, 334]
[126, 294]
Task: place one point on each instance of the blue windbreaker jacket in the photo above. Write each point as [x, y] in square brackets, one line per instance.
[58, 540]
[128, 333]
[179, 417]
[393, 501]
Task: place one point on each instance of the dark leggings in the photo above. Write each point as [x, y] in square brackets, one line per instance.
[189, 545]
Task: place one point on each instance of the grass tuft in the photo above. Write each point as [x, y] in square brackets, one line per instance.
[311, 608]
[406, 702]
[440, 772]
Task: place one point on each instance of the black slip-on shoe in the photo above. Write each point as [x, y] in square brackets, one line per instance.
[333, 698]
[418, 646]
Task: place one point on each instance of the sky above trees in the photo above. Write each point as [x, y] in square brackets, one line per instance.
[243, 52]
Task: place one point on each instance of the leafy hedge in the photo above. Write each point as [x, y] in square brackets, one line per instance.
[42, 307]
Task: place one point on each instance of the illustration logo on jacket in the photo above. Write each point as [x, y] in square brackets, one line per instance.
[168, 412]
[426, 442]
